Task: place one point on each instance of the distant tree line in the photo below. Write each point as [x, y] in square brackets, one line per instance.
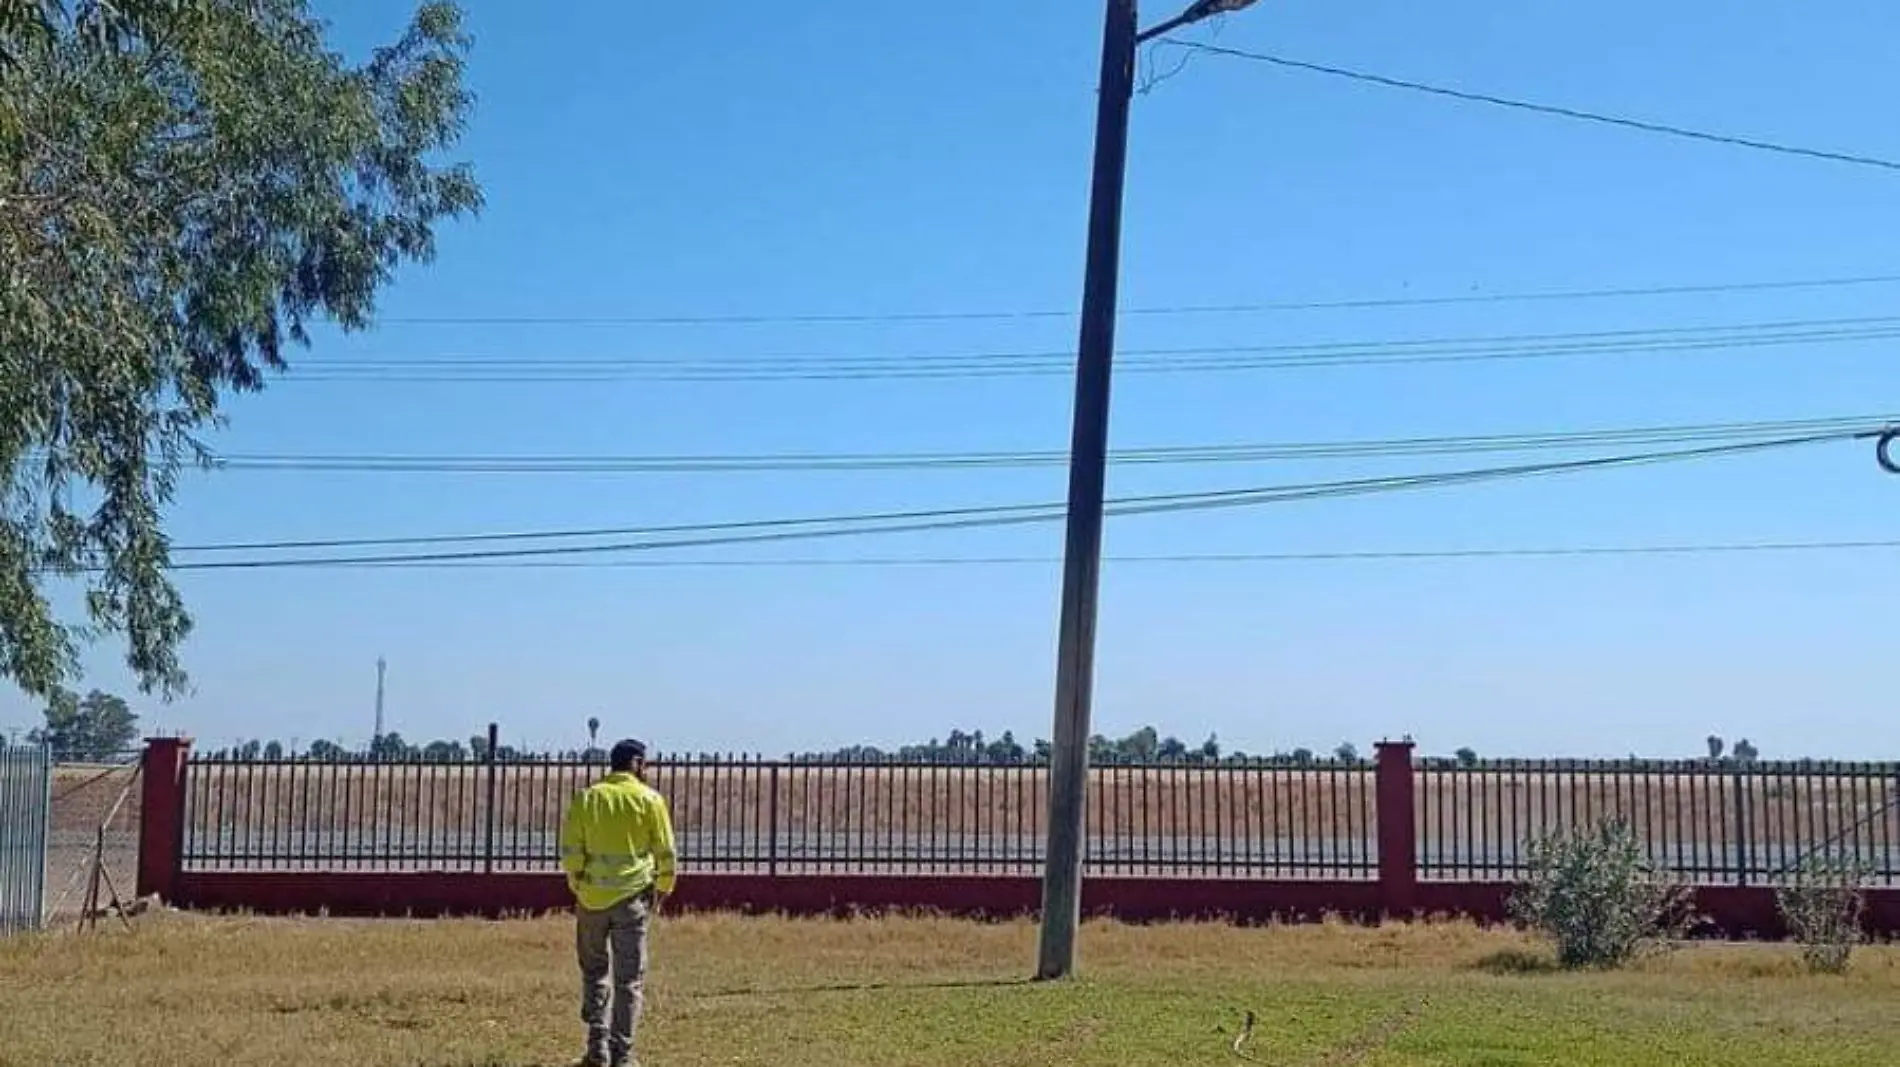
[959, 747]
[1145, 745]
[391, 748]
[100, 726]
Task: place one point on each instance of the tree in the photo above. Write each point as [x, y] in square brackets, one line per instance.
[444, 752]
[1302, 756]
[249, 750]
[1347, 752]
[96, 727]
[1210, 749]
[1715, 747]
[1745, 753]
[273, 750]
[1466, 757]
[186, 186]
[390, 747]
[1005, 750]
[1142, 746]
[327, 752]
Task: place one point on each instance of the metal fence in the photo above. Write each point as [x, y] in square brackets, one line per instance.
[26, 800]
[1707, 823]
[744, 815]
[95, 825]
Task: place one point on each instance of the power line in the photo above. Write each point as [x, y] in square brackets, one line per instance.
[1526, 296]
[1456, 343]
[1167, 455]
[1546, 109]
[812, 528]
[1377, 555]
[1170, 360]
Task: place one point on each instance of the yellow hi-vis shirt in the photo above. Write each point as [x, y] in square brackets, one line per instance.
[617, 842]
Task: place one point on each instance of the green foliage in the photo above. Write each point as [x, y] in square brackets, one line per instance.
[1466, 757]
[36, 25]
[97, 726]
[1146, 745]
[1821, 902]
[390, 747]
[1592, 892]
[185, 188]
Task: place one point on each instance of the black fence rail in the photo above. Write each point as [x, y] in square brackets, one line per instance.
[1708, 823]
[747, 815]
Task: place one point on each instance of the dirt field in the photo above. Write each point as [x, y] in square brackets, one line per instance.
[728, 991]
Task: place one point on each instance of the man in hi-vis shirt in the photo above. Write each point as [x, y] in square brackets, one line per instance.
[617, 850]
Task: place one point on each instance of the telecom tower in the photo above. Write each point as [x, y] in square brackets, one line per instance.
[381, 668]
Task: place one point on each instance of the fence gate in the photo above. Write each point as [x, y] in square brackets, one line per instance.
[26, 804]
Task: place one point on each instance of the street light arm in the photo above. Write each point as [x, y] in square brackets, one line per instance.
[1884, 450]
[1199, 11]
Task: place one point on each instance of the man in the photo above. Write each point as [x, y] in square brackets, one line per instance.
[617, 850]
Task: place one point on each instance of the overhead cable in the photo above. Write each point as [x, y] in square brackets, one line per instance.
[1369, 555]
[1166, 455]
[1602, 118]
[513, 369]
[916, 521]
[1366, 303]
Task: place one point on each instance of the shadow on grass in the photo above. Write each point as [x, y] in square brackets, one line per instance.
[856, 987]
[1517, 961]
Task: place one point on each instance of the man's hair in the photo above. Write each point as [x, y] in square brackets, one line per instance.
[627, 755]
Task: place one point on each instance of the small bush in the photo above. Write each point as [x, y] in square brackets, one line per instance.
[1821, 903]
[1594, 894]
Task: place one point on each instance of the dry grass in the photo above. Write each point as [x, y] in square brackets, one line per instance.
[184, 990]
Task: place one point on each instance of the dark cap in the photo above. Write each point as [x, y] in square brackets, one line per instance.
[627, 753]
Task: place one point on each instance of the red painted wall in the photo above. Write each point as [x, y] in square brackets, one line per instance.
[422, 894]
[1734, 912]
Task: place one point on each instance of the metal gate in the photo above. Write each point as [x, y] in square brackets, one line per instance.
[26, 805]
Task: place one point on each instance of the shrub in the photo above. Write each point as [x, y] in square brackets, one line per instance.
[1821, 903]
[1593, 893]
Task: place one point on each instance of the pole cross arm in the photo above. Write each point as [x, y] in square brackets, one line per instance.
[1201, 10]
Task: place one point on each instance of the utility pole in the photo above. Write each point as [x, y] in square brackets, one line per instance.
[1088, 463]
[382, 667]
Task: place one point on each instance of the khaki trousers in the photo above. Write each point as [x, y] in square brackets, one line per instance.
[612, 947]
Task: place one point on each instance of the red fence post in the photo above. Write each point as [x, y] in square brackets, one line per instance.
[1398, 829]
[162, 815]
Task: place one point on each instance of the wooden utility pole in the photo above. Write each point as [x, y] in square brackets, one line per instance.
[1088, 465]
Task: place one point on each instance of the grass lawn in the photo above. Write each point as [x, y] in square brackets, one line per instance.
[203, 991]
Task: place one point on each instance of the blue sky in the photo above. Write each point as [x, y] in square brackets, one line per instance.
[783, 159]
